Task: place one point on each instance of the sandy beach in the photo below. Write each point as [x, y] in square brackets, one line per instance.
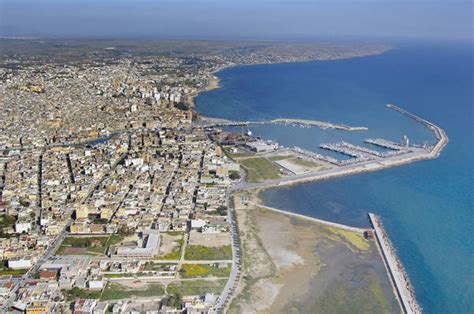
[212, 83]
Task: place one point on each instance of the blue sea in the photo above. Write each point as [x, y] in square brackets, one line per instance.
[426, 207]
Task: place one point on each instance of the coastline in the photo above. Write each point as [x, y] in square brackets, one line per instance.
[213, 81]
[298, 263]
[434, 153]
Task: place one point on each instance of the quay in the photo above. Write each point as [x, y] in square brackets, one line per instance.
[395, 269]
[207, 122]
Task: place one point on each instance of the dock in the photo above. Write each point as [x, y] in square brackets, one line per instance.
[384, 143]
[398, 276]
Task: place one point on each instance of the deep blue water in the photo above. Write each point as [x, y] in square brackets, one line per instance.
[427, 207]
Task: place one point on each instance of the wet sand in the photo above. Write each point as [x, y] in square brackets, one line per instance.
[296, 266]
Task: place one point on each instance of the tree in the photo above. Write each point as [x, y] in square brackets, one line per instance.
[234, 175]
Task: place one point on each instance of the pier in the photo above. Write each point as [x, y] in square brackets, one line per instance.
[398, 275]
[384, 143]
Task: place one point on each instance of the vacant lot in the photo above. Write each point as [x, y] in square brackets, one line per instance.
[115, 291]
[196, 287]
[199, 252]
[260, 169]
[170, 247]
[203, 270]
[87, 245]
[209, 239]
[315, 166]
[77, 293]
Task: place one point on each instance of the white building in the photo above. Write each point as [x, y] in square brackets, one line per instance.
[96, 284]
[261, 146]
[22, 227]
[20, 262]
[149, 250]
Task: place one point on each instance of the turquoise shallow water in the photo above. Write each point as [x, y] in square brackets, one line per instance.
[427, 207]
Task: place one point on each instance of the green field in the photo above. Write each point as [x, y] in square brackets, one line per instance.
[115, 291]
[199, 252]
[196, 287]
[77, 293]
[280, 157]
[203, 270]
[93, 245]
[260, 169]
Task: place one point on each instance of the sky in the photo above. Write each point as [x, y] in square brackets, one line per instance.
[237, 19]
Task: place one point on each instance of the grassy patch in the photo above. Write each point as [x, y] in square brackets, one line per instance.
[115, 291]
[308, 163]
[203, 270]
[260, 169]
[12, 272]
[239, 154]
[76, 293]
[196, 287]
[174, 233]
[280, 157]
[89, 245]
[199, 252]
[7, 221]
[353, 238]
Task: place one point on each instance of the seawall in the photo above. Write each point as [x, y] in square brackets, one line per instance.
[320, 221]
[398, 275]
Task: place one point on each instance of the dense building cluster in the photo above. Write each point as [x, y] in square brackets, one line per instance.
[111, 198]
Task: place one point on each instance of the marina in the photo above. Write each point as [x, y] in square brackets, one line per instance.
[361, 161]
[350, 190]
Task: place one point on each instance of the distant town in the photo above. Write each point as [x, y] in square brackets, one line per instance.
[115, 195]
